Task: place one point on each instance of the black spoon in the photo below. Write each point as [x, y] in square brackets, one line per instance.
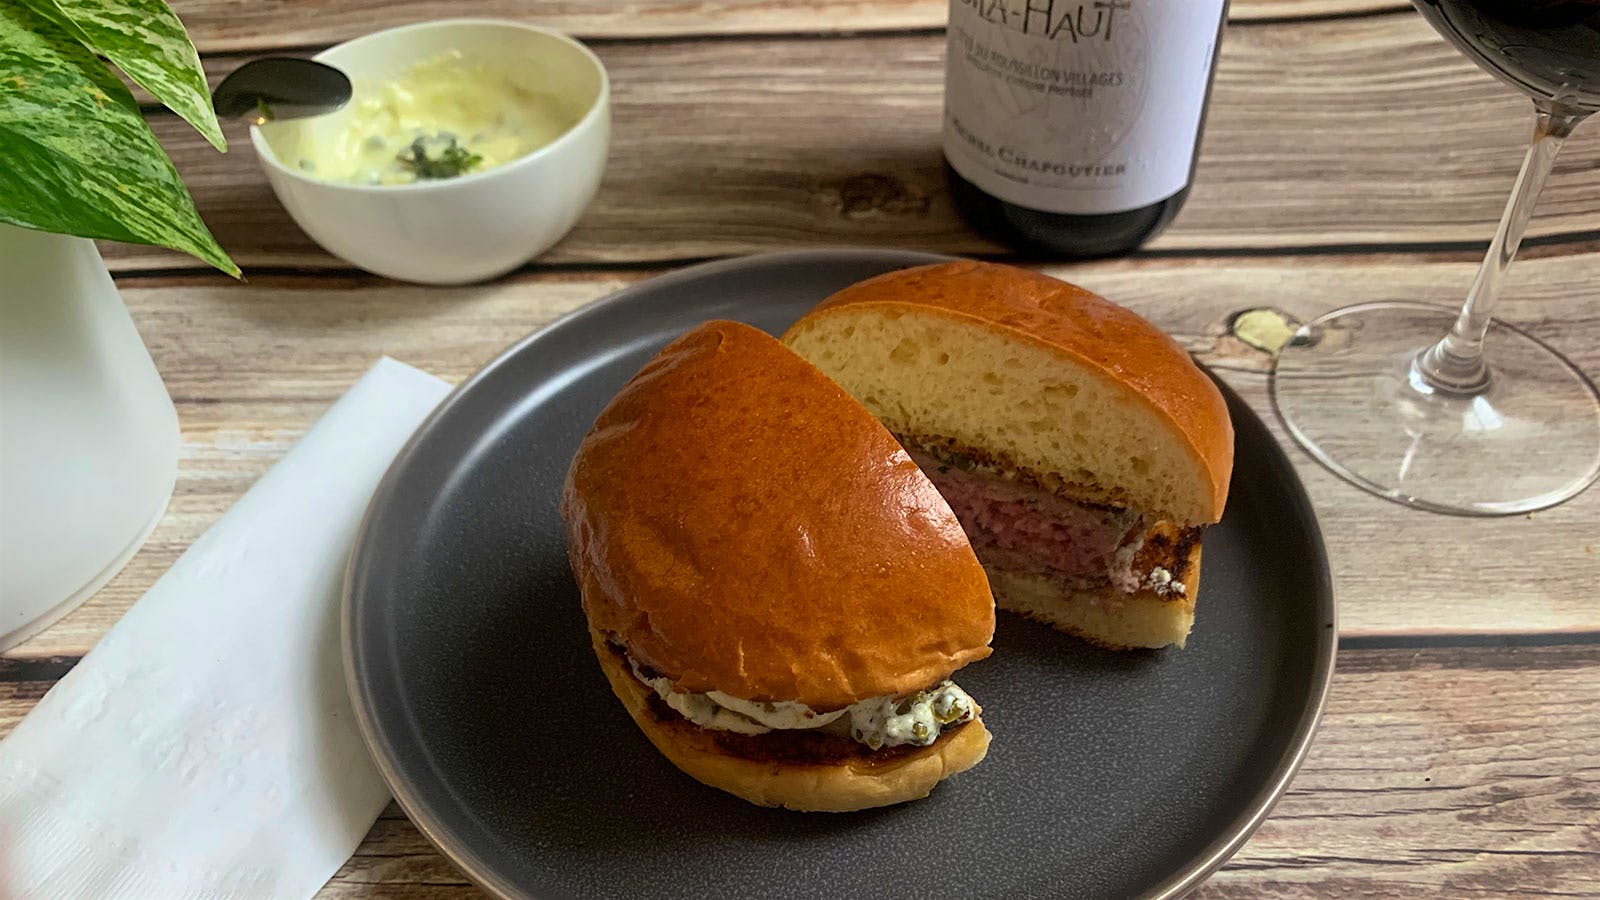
[281, 87]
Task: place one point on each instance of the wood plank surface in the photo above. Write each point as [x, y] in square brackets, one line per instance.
[222, 25]
[1322, 133]
[1461, 772]
[251, 366]
[1456, 771]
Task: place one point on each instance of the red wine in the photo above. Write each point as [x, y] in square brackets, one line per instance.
[1549, 49]
[1072, 128]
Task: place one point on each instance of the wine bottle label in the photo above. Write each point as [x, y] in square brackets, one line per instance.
[1077, 107]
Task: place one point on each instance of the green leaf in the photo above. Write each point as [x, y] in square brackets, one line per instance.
[75, 155]
[144, 39]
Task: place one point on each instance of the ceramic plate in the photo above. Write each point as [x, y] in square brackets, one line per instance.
[1110, 775]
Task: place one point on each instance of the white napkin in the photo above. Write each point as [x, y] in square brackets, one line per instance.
[206, 746]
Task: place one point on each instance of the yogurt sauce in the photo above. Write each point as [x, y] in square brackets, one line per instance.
[489, 115]
[877, 721]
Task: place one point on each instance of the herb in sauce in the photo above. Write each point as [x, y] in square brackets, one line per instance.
[437, 156]
[917, 719]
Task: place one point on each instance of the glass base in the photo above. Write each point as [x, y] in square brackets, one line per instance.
[1347, 389]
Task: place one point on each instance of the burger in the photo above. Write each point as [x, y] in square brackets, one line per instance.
[1082, 449]
[775, 591]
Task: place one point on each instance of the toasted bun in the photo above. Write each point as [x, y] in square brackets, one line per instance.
[741, 525]
[843, 786]
[1104, 616]
[1042, 374]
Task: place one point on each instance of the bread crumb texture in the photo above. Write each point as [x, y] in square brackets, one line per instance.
[929, 373]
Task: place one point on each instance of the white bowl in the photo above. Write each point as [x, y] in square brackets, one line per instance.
[474, 226]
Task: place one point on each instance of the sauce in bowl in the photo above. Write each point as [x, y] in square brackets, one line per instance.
[441, 117]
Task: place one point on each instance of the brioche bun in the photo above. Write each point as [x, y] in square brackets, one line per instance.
[742, 525]
[1045, 375]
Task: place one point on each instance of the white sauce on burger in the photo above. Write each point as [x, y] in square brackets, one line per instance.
[1162, 582]
[877, 722]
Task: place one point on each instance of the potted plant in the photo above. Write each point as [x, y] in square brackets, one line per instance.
[88, 434]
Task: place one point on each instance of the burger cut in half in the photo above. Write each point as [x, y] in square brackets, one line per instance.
[775, 591]
[1082, 449]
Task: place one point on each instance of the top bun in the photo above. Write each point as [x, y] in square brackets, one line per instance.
[1033, 373]
[742, 525]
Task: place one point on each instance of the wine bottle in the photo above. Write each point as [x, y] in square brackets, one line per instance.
[1072, 128]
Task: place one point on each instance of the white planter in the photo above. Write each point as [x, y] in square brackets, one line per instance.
[88, 435]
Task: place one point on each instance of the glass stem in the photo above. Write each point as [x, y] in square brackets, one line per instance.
[1455, 364]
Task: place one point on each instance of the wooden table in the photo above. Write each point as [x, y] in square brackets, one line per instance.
[1351, 155]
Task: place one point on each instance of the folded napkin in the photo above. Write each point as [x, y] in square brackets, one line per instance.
[206, 746]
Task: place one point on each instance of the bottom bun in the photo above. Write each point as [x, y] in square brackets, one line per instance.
[1104, 616]
[858, 782]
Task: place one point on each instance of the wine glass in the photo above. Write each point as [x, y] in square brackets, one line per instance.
[1374, 393]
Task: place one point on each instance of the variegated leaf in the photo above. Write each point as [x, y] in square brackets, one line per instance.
[144, 39]
[75, 155]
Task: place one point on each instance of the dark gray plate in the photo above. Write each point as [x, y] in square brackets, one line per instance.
[1111, 774]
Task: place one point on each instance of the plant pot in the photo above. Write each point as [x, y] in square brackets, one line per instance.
[88, 434]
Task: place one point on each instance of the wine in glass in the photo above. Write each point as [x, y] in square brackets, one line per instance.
[1487, 420]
